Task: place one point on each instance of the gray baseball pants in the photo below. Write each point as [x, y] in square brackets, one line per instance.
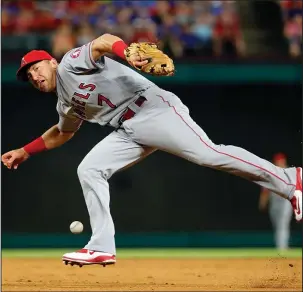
[163, 122]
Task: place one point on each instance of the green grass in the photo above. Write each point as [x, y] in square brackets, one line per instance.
[165, 253]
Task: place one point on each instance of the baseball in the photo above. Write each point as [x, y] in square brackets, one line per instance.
[76, 227]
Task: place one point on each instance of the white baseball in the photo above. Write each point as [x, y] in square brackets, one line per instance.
[76, 227]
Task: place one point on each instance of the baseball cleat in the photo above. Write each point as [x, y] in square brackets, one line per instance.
[296, 200]
[88, 257]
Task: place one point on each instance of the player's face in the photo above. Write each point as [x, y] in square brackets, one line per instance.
[281, 163]
[42, 75]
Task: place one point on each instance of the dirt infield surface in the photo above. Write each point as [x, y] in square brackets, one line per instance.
[48, 274]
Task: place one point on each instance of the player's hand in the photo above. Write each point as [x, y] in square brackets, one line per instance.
[13, 158]
[136, 61]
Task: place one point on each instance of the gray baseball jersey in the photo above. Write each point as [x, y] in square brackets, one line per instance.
[94, 91]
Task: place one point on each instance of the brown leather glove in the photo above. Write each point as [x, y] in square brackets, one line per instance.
[158, 63]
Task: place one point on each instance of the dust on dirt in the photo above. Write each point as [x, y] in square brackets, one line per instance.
[154, 275]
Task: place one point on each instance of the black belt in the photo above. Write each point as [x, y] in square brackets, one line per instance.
[128, 114]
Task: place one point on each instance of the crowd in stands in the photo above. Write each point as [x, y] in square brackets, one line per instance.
[292, 13]
[190, 28]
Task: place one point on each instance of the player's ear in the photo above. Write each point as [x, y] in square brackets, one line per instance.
[54, 63]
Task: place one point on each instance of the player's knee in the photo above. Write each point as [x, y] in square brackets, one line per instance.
[86, 170]
[82, 170]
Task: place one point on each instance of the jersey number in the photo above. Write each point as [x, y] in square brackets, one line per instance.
[92, 87]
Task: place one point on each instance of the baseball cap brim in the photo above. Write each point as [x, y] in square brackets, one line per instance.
[28, 60]
[22, 71]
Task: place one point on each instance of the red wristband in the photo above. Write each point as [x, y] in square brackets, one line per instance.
[35, 146]
[118, 49]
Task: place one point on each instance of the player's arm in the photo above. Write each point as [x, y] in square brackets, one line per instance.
[263, 200]
[52, 138]
[108, 43]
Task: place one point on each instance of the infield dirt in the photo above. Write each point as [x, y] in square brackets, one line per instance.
[28, 274]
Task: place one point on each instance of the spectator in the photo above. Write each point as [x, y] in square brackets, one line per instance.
[160, 11]
[144, 31]
[85, 34]
[60, 9]
[83, 10]
[123, 25]
[184, 13]
[293, 32]
[24, 22]
[169, 36]
[63, 40]
[92, 12]
[190, 42]
[44, 21]
[11, 7]
[216, 7]
[203, 30]
[169, 27]
[140, 12]
[7, 22]
[227, 39]
[106, 22]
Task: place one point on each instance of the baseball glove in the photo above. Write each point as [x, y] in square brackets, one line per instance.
[158, 63]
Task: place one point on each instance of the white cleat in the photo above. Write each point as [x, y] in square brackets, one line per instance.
[296, 200]
[88, 257]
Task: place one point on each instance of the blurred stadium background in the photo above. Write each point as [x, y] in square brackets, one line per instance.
[183, 28]
[238, 70]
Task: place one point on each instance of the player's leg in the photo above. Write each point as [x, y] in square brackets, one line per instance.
[281, 217]
[274, 217]
[113, 153]
[168, 126]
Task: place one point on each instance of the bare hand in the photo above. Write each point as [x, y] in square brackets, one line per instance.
[13, 158]
[136, 61]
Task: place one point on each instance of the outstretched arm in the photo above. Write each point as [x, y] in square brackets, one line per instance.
[108, 43]
[52, 138]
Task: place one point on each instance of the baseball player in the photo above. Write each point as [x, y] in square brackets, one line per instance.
[92, 87]
[280, 210]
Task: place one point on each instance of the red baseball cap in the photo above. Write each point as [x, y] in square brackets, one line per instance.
[279, 156]
[29, 59]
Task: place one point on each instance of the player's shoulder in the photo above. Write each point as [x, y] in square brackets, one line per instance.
[67, 63]
[71, 55]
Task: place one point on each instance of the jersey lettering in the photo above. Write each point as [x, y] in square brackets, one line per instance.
[86, 96]
[80, 103]
[106, 100]
[79, 107]
[91, 87]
